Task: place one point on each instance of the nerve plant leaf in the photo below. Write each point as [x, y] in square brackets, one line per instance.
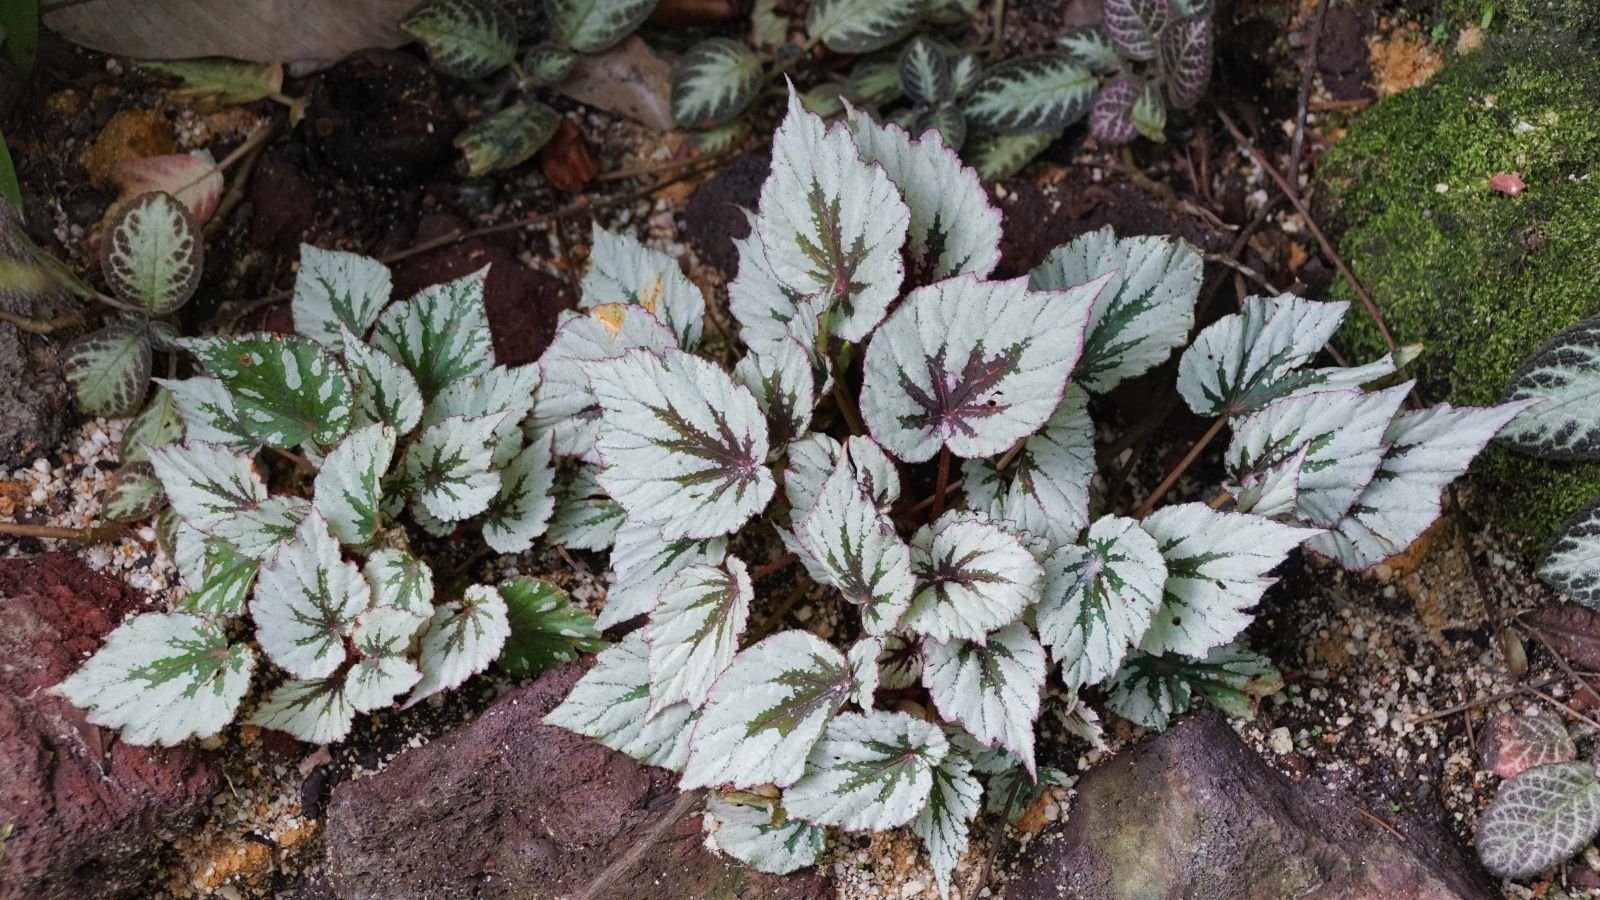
[609, 703]
[207, 483]
[162, 678]
[462, 639]
[1091, 46]
[1571, 564]
[861, 26]
[439, 335]
[996, 156]
[109, 370]
[973, 577]
[466, 39]
[347, 488]
[1566, 373]
[135, 493]
[449, 467]
[1111, 117]
[1513, 743]
[548, 64]
[566, 405]
[590, 26]
[944, 823]
[869, 772]
[684, 447]
[992, 689]
[507, 138]
[1046, 493]
[694, 632]
[400, 580]
[584, 517]
[752, 833]
[384, 391]
[832, 225]
[546, 629]
[521, 510]
[1099, 599]
[334, 290]
[1186, 50]
[973, 366]
[306, 600]
[1216, 569]
[644, 562]
[285, 390]
[1033, 94]
[1135, 25]
[715, 81]
[622, 270]
[219, 80]
[152, 252]
[766, 712]
[924, 71]
[1150, 690]
[852, 546]
[1540, 818]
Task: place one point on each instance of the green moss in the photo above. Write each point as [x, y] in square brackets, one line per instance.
[1526, 16]
[1480, 278]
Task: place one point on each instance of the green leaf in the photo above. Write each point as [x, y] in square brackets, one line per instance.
[334, 291]
[590, 26]
[722, 138]
[694, 631]
[861, 26]
[1046, 493]
[162, 678]
[1150, 690]
[644, 562]
[462, 639]
[109, 370]
[609, 704]
[973, 577]
[991, 688]
[548, 65]
[1099, 599]
[1565, 373]
[449, 470]
[715, 81]
[584, 518]
[1149, 113]
[465, 38]
[944, 823]
[11, 190]
[135, 494]
[306, 600]
[521, 510]
[874, 80]
[752, 832]
[439, 335]
[220, 80]
[869, 772]
[207, 483]
[507, 138]
[1091, 46]
[223, 581]
[19, 28]
[1540, 818]
[996, 156]
[1033, 94]
[384, 391]
[152, 253]
[622, 270]
[347, 487]
[157, 425]
[286, 390]
[546, 629]
[925, 71]
[400, 580]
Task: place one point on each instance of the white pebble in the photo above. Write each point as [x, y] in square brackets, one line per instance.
[1280, 741]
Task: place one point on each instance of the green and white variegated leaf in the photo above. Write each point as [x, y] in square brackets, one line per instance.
[1013, 791]
[400, 580]
[1571, 564]
[763, 305]
[439, 335]
[964, 74]
[944, 824]
[780, 377]
[1145, 311]
[1217, 565]
[162, 678]
[584, 518]
[1245, 360]
[307, 598]
[992, 689]
[1274, 490]
[546, 629]
[694, 631]
[972, 366]
[814, 458]
[1428, 449]
[863, 659]
[521, 511]
[751, 833]
[315, 711]
[257, 531]
[609, 703]
[1539, 819]
[499, 391]
[644, 562]
[1150, 690]
[715, 81]
[722, 138]
[109, 370]
[1032, 94]
[208, 413]
[869, 772]
[548, 64]
[852, 546]
[382, 636]
[973, 577]
[507, 138]
[765, 713]
[384, 390]
[954, 229]
[221, 579]
[590, 26]
[861, 26]
[924, 72]
[1091, 46]
[207, 483]
[466, 39]
[1342, 433]
[285, 390]
[348, 488]
[334, 291]
[1566, 373]
[994, 156]
[566, 405]
[1046, 493]
[1100, 598]
[152, 252]
[900, 661]
[1081, 721]
[462, 639]
[685, 448]
[874, 80]
[157, 425]
[135, 494]
[622, 270]
[831, 224]
[449, 467]
[987, 761]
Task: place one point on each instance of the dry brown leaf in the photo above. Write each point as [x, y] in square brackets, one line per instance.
[566, 160]
[629, 79]
[1570, 630]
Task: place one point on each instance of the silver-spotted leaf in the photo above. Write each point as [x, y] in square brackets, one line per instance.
[1513, 743]
[694, 631]
[590, 26]
[449, 467]
[715, 81]
[546, 629]
[992, 689]
[285, 390]
[1099, 599]
[109, 370]
[1540, 818]
[465, 38]
[335, 291]
[1186, 50]
[852, 546]
[622, 270]
[644, 562]
[306, 600]
[384, 390]
[609, 703]
[861, 26]
[151, 253]
[462, 639]
[1150, 690]
[134, 493]
[751, 832]
[507, 138]
[973, 577]
[1046, 492]
[347, 487]
[1032, 94]
[207, 483]
[439, 335]
[566, 405]
[1565, 372]
[1135, 26]
[869, 772]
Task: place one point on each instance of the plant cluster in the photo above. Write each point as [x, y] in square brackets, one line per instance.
[877, 354]
[394, 408]
[1549, 806]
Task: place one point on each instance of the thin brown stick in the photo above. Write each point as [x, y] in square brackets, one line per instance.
[1331, 105]
[669, 165]
[847, 407]
[1183, 465]
[96, 535]
[600, 886]
[1220, 500]
[1480, 702]
[300, 462]
[42, 326]
[1562, 706]
[1308, 75]
[235, 193]
[1381, 823]
[995, 834]
[943, 482]
[927, 501]
[777, 565]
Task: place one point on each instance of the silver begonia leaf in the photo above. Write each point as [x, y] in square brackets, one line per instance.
[1099, 599]
[869, 772]
[751, 833]
[566, 405]
[622, 270]
[992, 689]
[1046, 493]
[973, 577]
[694, 631]
[609, 704]
[306, 600]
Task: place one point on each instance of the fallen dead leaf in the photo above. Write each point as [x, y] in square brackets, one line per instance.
[1508, 183]
[566, 160]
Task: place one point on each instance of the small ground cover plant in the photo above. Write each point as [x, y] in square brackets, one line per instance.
[1548, 808]
[877, 355]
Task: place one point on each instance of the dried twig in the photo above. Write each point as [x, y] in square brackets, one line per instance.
[1183, 465]
[1308, 76]
[96, 535]
[601, 884]
[42, 326]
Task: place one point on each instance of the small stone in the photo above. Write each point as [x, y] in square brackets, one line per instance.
[1281, 741]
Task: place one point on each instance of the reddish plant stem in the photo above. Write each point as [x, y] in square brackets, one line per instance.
[94, 535]
[777, 565]
[1178, 470]
[943, 483]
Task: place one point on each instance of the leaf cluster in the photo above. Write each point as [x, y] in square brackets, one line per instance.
[1549, 806]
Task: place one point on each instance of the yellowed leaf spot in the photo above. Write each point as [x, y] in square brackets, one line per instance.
[611, 315]
[652, 293]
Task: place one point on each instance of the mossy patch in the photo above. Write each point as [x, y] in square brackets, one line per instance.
[1480, 278]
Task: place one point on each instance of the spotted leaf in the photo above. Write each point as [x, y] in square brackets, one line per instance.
[973, 577]
[869, 772]
[285, 390]
[546, 629]
[694, 631]
[152, 253]
[1099, 599]
[466, 39]
[609, 704]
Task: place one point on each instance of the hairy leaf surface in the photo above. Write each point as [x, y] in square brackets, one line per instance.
[1186, 50]
[507, 138]
[316, 711]
[1099, 599]
[694, 632]
[151, 253]
[1136, 25]
[869, 772]
[157, 425]
[135, 493]
[1571, 564]
[1091, 46]
[973, 577]
[996, 156]
[924, 71]
[609, 704]
[1513, 743]
[992, 689]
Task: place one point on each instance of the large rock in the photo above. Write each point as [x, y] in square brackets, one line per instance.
[85, 809]
[1195, 814]
[34, 402]
[508, 807]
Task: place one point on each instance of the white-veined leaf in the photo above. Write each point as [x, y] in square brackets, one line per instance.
[780, 377]
[462, 639]
[954, 228]
[1046, 493]
[1039, 93]
[548, 64]
[400, 580]
[307, 598]
[449, 467]
[973, 577]
[1217, 565]
[715, 81]
[924, 71]
[832, 225]
[644, 562]
[151, 253]
[1150, 690]
[507, 138]
[384, 390]
[157, 425]
[257, 531]
[1111, 118]
[590, 26]
[162, 678]
[1428, 449]
[972, 366]
[382, 636]
[853, 547]
[466, 39]
[996, 156]
[685, 448]
[863, 659]
[1515, 742]
[861, 26]
[334, 291]
[208, 413]
[347, 488]
[992, 689]
[622, 270]
[584, 518]
[1186, 59]
[1100, 598]
[546, 629]
[609, 703]
[207, 483]
[694, 631]
[1134, 25]
[566, 405]
[109, 370]
[869, 772]
[751, 833]
[1146, 309]
[135, 493]
[900, 661]
[1539, 819]
[439, 335]
[316, 711]
[944, 823]
[221, 579]
[765, 713]
[1245, 360]
[521, 511]
[1566, 373]
[1571, 564]
[285, 390]
[1091, 46]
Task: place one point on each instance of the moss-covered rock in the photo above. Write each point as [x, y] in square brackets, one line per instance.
[1481, 278]
[1527, 16]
